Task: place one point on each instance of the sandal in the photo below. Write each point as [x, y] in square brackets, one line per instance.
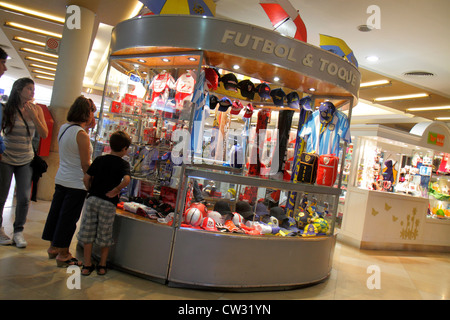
[88, 268]
[68, 262]
[99, 270]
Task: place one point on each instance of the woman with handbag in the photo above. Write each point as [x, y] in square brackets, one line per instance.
[21, 118]
[74, 159]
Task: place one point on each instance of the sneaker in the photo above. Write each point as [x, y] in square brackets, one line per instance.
[4, 239]
[19, 240]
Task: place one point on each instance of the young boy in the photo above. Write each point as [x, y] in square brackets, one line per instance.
[107, 175]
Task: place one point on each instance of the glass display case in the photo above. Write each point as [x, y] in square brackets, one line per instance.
[216, 155]
[399, 183]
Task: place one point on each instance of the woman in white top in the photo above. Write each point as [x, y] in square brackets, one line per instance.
[74, 159]
[21, 118]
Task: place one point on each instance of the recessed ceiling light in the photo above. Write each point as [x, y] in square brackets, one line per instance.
[141, 60]
[276, 79]
[42, 53]
[38, 14]
[406, 96]
[30, 41]
[429, 108]
[312, 89]
[31, 29]
[41, 60]
[34, 65]
[45, 78]
[192, 59]
[43, 72]
[165, 59]
[374, 83]
[235, 67]
[372, 58]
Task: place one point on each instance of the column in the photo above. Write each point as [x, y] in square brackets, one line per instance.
[73, 55]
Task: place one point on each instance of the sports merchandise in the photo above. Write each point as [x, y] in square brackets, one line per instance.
[323, 137]
[160, 83]
[230, 82]
[327, 170]
[236, 107]
[237, 219]
[184, 87]
[263, 90]
[201, 207]
[208, 224]
[211, 78]
[193, 217]
[278, 96]
[308, 168]
[216, 216]
[247, 89]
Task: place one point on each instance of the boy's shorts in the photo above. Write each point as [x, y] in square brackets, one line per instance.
[97, 222]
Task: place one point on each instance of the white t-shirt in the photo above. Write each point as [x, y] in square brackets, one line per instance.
[70, 174]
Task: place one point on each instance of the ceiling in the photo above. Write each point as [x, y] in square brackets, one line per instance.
[413, 35]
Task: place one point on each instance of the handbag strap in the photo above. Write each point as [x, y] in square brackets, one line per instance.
[74, 124]
[28, 129]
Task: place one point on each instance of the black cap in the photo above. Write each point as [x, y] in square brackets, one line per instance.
[222, 207]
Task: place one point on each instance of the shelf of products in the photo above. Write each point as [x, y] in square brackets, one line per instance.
[399, 183]
[225, 158]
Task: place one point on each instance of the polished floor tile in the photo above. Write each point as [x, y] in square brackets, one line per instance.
[28, 274]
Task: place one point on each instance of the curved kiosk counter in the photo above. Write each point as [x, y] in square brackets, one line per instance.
[190, 257]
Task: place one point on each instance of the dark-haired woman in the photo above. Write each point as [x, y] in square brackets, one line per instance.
[74, 159]
[21, 119]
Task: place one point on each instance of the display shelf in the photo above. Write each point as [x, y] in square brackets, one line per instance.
[262, 183]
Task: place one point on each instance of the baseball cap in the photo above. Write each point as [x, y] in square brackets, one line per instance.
[213, 101]
[222, 207]
[230, 82]
[293, 100]
[212, 78]
[247, 88]
[224, 104]
[278, 96]
[208, 224]
[263, 90]
[244, 209]
[248, 111]
[236, 107]
[261, 209]
[326, 110]
[305, 102]
[278, 213]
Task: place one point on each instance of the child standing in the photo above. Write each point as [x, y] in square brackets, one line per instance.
[107, 175]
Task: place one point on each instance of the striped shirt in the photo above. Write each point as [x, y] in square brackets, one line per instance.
[19, 150]
[326, 142]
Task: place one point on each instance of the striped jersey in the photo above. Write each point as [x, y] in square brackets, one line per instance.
[19, 150]
[327, 141]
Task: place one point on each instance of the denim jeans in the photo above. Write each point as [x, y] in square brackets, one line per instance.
[22, 175]
[63, 216]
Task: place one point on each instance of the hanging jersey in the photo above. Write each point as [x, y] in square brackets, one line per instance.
[184, 88]
[325, 140]
[161, 82]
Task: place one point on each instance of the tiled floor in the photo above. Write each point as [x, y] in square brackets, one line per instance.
[29, 274]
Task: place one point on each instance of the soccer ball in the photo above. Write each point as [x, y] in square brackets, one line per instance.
[193, 217]
[303, 218]
[322, 225]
